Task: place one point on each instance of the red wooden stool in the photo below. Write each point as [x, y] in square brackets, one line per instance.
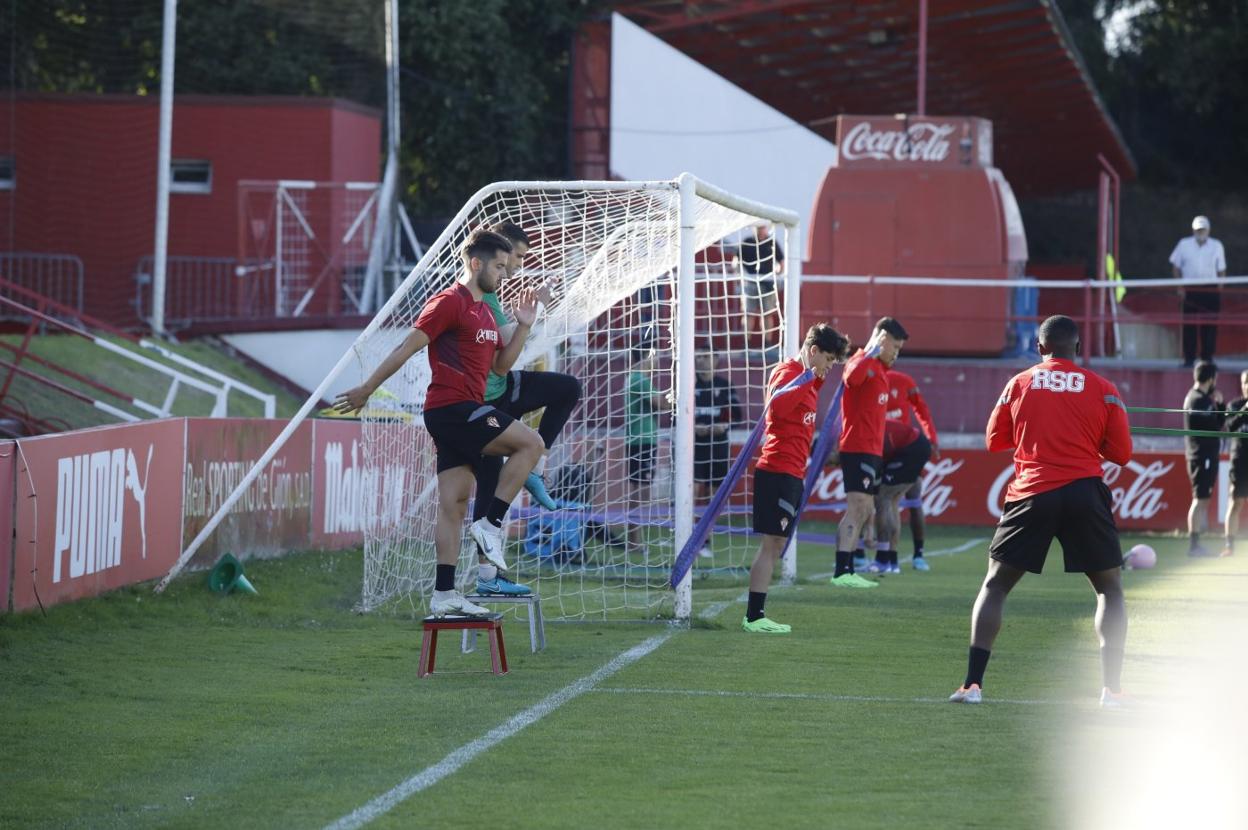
[493, 625]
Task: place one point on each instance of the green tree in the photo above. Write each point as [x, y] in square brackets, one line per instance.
[1176, 85]
[484, 95]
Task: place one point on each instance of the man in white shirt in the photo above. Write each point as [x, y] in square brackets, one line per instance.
[1199, 257]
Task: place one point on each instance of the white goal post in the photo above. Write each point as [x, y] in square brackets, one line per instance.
[662, 256]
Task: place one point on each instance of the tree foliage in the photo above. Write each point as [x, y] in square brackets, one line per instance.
[1175, 86]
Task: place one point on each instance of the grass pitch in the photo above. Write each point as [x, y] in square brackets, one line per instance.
[288, 710]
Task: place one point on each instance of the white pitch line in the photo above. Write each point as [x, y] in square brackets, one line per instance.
[715, 609]
[811, 696]
[965, 546]
[451, 764]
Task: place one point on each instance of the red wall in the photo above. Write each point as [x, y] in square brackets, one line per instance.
[903, 222]
[86, 174]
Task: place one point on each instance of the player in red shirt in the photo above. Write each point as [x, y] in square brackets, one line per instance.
[464, 346]
[781, 470]
[904, 404]
[1061, 420]
[906, 451]
[863, 412]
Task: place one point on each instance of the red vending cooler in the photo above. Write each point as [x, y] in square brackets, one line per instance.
[916, 197]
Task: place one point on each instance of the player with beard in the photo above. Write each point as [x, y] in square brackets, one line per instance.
[464, 346]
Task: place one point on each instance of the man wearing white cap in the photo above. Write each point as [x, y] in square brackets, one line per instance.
[1199, 257]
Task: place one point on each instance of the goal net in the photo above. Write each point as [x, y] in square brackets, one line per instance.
[648, 278]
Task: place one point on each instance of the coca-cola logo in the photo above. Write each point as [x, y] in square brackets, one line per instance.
[1141, 499]
[921, 142]
[937, 494]
[830, 486]
[1138, 499]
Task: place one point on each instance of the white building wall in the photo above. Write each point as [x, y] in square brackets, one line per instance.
[670, 114]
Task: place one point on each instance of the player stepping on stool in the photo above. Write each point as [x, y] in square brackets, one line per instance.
[491, 582]
[489, 539]
[453, 604]
[536, 485]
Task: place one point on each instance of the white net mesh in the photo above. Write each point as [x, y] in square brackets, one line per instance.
[612, 255]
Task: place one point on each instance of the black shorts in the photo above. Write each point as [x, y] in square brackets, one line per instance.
[907, 466]
[710, 462]
[1079, 514]
[861, 472]
[776, 497]
[461, 430]
[1203, 471]
[641, 462]
[1239, 477]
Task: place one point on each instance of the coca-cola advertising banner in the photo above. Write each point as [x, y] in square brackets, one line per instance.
[8, 452]
[967, 487]
[274, 514]
[916, 141]
[96, 509]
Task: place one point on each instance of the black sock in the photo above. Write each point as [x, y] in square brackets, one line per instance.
[445, 578]
[844, 562]
[918, 549]
[754, 607]
[881, 556]
[497, 512]
[976, 662]
[1193, 539]
[892, 557]
[1111, 668]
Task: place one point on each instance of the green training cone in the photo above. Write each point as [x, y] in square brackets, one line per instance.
[227, 575]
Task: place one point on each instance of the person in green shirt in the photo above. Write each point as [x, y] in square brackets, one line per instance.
[641, 429]
[518, 393]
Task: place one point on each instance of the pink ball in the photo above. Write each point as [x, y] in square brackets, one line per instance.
[1141, 557]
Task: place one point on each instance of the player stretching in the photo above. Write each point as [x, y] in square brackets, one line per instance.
[863, 413]
[518, 393]
[906, 451]
[781, 469]
[905, 402]
[1061, 420]
[463, 347]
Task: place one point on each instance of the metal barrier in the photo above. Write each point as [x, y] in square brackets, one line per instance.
[203, 290]
[55, 276]
[1147, 324]
[44, 313]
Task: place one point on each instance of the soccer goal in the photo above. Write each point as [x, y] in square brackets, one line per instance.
[650, 279]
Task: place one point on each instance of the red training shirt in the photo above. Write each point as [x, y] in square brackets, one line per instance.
[904, 398]
[1061, 420]
[864, 406]
[790, 421]
[897, 436]
[463, 338]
